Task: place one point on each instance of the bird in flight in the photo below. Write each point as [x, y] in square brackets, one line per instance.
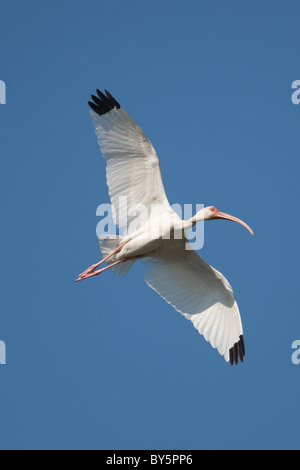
[173, 269]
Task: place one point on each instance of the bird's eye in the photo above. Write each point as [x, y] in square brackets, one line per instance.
[212, 209]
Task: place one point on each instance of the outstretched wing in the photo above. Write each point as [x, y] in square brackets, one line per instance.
[133, 168]
[202, 295]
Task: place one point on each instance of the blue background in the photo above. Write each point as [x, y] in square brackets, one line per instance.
[106, 363]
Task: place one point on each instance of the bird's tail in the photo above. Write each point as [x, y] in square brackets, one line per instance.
[107, 245]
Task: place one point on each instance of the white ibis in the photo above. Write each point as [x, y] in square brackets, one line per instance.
[174, 270]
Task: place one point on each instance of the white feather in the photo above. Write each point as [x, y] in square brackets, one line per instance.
[133, 168]
[198, 292]
[180, 276]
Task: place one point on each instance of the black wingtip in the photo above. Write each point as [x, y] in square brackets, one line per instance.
[104, 104]
[238, 352]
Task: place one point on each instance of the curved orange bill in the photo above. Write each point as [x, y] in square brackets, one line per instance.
[221, 215]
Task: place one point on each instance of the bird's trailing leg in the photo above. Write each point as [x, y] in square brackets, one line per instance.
[90, 273]
[95, 266]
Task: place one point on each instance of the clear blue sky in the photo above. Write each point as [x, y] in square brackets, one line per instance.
[106, 363]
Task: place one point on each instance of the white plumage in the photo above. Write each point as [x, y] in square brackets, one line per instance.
[173, 269]
[133, 168]
[200, 293]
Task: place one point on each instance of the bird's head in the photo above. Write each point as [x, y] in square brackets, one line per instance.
[212, 213]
